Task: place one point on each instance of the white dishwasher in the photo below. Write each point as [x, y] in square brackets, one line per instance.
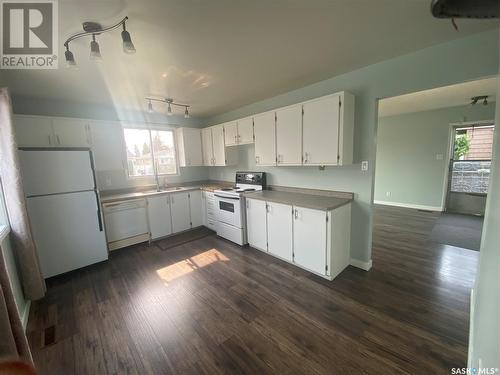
[126, 223]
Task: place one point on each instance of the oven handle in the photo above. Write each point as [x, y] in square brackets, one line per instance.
[233, 198]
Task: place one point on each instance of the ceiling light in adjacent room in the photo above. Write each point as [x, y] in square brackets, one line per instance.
[186, 112]
[128, 46]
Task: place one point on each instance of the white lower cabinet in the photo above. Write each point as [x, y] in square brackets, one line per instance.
[209, 209]
[195, 208]
[316, 240]
[279, 230]
[160, 220]
[256, 223]
[179, 206]
[309, 239]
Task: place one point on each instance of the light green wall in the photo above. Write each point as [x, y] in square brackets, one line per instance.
[407, 146]
[457, 61]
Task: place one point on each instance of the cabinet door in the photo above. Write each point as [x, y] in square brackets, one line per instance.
[108, 146]
[190, 149]
[245, 130]
[179, 206]
[279, 230]
[231, 133]
[34, 131]
[289, 135]
[321, 131]
[218, 145]
[160, 221]
[196, 208]
[256, 223]
[265, 139]
[71, 133]
[206, 140]
[204, 207]
[309, 239]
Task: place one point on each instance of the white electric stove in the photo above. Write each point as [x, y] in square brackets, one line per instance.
[230, 206]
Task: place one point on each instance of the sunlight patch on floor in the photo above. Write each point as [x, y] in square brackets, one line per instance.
[188, 265]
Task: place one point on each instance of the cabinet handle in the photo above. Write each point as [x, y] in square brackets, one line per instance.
[248, 204]
[50, 140]
[296, 214]
[235, 139]
[58, 140]
[306, 157]
[257, 159]
[89, 137]
[268, 208]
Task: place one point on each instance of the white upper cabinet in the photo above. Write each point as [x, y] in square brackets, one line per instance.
[321, 131]
[238, 132]
[245, 130]
[231, 133]
[34, 131]
[107, 145]
[256, 223]
[207, 147]
[310, 239]
[219, 148]
[160, 221]
[215, 152]
[289, 135]
[71, 132]
[189, 147]
[265, 139]
[41, 131]
[279, 230]
[328, 129]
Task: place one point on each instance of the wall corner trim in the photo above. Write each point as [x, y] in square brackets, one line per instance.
[26, 314]
[410, 205]
[360, 264]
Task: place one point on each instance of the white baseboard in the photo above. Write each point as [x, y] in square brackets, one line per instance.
[26, 314]
[410, 205]
[360, 264]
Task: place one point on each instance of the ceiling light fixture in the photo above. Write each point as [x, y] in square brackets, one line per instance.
[95, 51]
[476, 99]
[94, 29]
[170, 102]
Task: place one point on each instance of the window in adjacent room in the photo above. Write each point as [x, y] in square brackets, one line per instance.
[149, 151]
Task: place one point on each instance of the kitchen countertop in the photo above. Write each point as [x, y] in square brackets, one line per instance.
[316, 202]
[107, 198]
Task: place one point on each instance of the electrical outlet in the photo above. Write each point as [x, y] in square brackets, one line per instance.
[364, 165]
[388, 193]
[439, 156]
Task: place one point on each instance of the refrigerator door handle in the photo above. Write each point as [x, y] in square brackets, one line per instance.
[99, 217]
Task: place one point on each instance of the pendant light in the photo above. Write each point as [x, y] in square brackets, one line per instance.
[169, 110]
[70, 59]
[128, 46]
[150, 107]
[95, 51]
[186, 113]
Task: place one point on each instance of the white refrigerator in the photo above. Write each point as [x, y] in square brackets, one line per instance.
[63, 207]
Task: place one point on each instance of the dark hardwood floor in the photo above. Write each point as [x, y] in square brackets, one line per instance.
[208, 306]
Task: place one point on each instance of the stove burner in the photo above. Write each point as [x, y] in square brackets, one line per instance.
[249, 189]
[227, 189]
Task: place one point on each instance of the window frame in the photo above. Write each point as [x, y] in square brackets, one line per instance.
[150, 128]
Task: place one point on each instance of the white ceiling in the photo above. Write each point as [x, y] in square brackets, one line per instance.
[221, 54]
[442, 97]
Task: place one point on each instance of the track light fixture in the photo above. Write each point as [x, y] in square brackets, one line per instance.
[475, 99]
[94, 29]
[170, 102]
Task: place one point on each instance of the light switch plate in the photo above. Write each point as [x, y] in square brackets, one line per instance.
[364, 165]
[439, 156]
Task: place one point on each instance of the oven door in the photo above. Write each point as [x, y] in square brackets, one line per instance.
[228, 210]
